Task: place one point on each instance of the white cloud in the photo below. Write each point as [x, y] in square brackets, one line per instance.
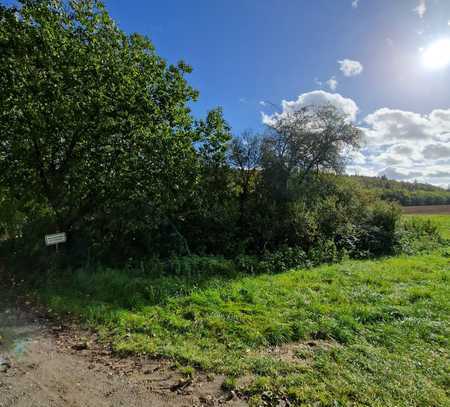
[357, 157]
[318, 82]
[440, 120]
[406, 145]
[400, 144]
[400, 174]
[350, 67]
[361, 170]
[317, 98]
[332, 83]
[436, 151]
[421, 8]
[263, 103]
[392, 125]
[355, 3]
[397, 154]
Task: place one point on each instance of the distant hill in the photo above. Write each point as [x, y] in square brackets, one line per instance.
[405, 193]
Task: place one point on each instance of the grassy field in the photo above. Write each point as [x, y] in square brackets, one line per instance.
[357, 333]
[441, 220]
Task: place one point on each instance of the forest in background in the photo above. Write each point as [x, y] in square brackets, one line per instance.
[405, 193]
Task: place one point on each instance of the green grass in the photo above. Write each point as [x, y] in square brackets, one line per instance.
[442, 221]
[372, 332]
[385, 324]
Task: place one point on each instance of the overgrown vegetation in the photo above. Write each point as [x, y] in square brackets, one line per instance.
[97, 140]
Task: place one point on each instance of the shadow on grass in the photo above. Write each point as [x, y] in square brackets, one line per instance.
[90, 292]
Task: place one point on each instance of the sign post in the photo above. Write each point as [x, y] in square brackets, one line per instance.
[55, 240]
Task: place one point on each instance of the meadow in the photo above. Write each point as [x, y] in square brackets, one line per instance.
[442, 220]
[361, 332]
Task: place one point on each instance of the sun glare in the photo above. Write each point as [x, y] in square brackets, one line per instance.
[437, 54]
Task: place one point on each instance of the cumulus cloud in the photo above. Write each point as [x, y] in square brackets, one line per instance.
[399, 174]
[360, 170]
[355, 3]
[407, 145]
[398, 154]
[421, 8]
[400, 144]
[356, 157]
[350, 67]
[321, 98]
[393, 125]
[436, 151]
[316, 98]
[332, 83]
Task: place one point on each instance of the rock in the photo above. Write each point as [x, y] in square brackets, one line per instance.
[181, 385]
[58, 328]
[5, 365]
[206, 400]
[232, 396]
[80, 346]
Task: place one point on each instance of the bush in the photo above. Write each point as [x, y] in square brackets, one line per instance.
[325, 252]
[377, 233]
[283, 260]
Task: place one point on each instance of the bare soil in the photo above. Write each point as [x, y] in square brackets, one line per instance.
[42, 364]
[427, 209]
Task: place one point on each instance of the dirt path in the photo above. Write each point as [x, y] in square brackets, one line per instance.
[427, 210]
[44, 365]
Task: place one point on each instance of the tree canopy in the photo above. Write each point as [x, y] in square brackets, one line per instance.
[91, 118]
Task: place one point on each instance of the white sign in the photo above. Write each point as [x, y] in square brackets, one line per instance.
[57, 238]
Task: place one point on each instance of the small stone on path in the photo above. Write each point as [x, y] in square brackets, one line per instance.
[5, 365]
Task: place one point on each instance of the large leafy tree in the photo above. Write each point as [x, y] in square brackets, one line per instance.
[92, 121]
[311, 139]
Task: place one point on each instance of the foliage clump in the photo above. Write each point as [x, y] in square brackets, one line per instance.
[97, 140]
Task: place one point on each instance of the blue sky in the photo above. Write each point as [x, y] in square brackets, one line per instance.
[245, 52]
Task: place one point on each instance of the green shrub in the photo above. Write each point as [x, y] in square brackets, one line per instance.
[377, 233]
[283, 260]
[325, 252]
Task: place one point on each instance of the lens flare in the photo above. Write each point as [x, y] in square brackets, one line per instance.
[437, 54]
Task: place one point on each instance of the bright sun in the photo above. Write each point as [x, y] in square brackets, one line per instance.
[437, 54]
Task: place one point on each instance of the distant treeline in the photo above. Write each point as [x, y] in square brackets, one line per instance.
[405, 193]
